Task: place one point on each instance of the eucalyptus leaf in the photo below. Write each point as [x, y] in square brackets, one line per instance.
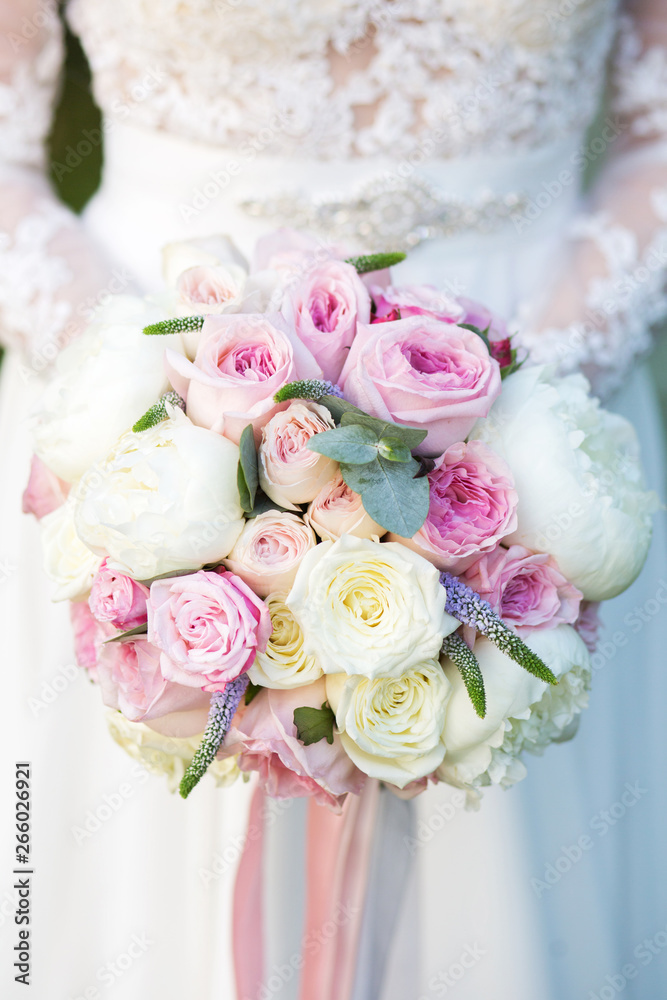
[351, 443]
[247, 476]
[337, 407]
[410, 436]
[314, 724]
[390, 493]
[393, 449]
[131, 633]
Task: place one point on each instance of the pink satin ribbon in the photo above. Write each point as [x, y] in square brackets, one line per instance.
[338, 863]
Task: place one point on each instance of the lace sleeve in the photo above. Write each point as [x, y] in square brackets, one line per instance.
[613, 289]
[48, 275]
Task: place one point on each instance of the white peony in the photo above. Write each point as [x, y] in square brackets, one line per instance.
[577, 471]
[104, 382]
[391, 727]
[369, 608]
[67, 561]
[163, 500]
[522, 712]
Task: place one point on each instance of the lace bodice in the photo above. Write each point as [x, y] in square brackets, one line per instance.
[340, 78]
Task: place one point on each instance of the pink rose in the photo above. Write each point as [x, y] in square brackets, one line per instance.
[117, 599]
[265, 735]
[324, 308]
[289, 473]
[424, 373]
[337, 510]
[588, 624]
[481, 317]
[44, 492]
[209, 627]
[416, 300]
[472, 506]
[241, 362]
[525, 588]
[269, 551]
[290, 251]
[89, 635]
[130, 679]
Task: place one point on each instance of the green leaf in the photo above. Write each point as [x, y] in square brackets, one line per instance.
[390, 493]
[131, 633]
[410, 436]
[251, 691]
[264, 504]
[247, 475]
[171, 573]
[375, 261]
[480, 333]
[352, 443]
[307, 388]
[158, 412]
[512, 367]
[465, 661]
[314, 724]
[393, 449]
[180, 324]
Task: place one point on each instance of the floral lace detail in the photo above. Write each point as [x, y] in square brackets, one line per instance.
[342, 78]
[26, 100]
[621, 307]
[32, 317]
[641, 83]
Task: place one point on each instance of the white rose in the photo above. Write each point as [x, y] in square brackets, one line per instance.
[337, 510]
[369, 608]
[289, 473]
[284, 664]
[67, 561]
[521, 711]
[163, 500]
[391, 727]
[208, 251]
[577, 471]
[105, 381]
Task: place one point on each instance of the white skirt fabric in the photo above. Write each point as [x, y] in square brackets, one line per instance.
[133, 886]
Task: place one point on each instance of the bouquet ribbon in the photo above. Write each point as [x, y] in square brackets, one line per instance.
[337, 865]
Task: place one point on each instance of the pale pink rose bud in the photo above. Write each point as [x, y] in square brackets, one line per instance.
[425, 373]
[289, 473]
[210, 288]
[416, 300]
[242, 360]
[525, 588]
[117, 599]
[89, 635]
[209, 627]
[337, 510]
[324, 308]
[589, 623]
[132, 682]
[472, 506]
[44, 492]
[269, 551]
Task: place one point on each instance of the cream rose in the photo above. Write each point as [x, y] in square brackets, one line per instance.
[369, 608]
[391, 727]
[67, 561]
[269, 551]
[163, 500]
[284, 664]
[105, 381]
[289, 473]
[337, 510]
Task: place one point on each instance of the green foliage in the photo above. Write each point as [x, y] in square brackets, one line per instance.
[158, 412]
[179, 324]
[314, 724]
[465, 661]
[247, 476]
[375, 262]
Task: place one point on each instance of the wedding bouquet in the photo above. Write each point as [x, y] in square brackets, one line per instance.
[324, 527]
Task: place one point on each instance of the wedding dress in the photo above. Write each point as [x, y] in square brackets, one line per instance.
[456, 129]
